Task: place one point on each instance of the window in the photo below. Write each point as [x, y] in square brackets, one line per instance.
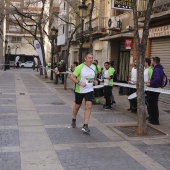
[64, 6]
[15, 4]
[32, 3]
[14, 28]
[16, 39]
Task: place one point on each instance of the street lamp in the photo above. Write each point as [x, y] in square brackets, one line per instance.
[83, 12]
[54, 32]
[6, 43]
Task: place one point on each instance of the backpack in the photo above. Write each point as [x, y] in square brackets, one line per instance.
[115, 77]
[164, 80]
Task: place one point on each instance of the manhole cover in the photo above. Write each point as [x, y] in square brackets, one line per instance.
[18, 79]
[22, 93]
[131, 131]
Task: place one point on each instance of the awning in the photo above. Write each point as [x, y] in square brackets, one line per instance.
[117, 36]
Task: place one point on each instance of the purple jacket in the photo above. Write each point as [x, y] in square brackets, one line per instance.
[157, 75]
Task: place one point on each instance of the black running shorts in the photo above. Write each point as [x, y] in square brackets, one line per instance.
[79, 97]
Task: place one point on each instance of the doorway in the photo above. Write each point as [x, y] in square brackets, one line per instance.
[123, 71]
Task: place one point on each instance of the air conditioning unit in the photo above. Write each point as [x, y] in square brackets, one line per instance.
[114, 23]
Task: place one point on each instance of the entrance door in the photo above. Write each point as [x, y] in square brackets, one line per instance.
[124, 60]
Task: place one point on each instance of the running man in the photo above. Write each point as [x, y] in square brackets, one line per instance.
[84, 76]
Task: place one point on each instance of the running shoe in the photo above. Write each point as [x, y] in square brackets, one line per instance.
[73, 124]
[107, 108]
[85, 129]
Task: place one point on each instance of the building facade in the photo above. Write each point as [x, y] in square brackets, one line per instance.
[21, 41]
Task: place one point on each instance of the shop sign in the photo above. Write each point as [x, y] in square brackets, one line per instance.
[122, 4]
[159, 31]
[128, 44]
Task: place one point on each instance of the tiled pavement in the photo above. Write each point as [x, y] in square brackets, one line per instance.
[35, 131]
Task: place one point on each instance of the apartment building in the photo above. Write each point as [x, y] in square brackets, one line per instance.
[109, 33]
[159, 38]
[19, 40]
[1, 43]
[2, 36]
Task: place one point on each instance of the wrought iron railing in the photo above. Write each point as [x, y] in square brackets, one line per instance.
[158, 6]
[161, 5]
[98, 24]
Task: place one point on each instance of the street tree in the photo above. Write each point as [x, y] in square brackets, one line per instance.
[33, 21]
[141, 44]
[69, 18]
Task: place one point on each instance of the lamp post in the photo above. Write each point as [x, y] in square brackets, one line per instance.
[83, 11]
[6, 43]
[15, 54]
[54, 32]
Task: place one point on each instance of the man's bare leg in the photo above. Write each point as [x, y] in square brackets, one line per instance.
[75, 110]
[87, 112]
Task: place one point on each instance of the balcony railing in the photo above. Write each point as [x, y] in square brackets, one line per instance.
[158, 6]
[161, 5]
[99, 24]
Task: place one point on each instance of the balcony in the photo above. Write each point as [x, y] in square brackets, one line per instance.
[160, 6]
[99, 26]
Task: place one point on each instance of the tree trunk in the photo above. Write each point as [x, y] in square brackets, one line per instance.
[69, 45]
[140, 50]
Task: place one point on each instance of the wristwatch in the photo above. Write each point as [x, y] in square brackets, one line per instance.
[79, 82]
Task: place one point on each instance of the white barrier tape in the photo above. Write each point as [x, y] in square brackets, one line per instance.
[158, 90]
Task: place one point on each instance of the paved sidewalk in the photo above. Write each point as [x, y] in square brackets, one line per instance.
[35, 133]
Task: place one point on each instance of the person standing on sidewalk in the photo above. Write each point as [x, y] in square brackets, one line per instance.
[62, 68]
[133, 80]
[108, 83]
[84, 76]
[147, 77]
[99, 70]
[156, 82]
[114, 71]
[147, 70]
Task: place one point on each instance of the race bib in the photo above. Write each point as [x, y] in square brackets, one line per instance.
[89, 80]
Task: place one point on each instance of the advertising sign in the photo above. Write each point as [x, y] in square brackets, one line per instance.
[159, 31]
[128, 44]
[122, 4]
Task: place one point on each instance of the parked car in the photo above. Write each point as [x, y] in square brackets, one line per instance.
[27, 64]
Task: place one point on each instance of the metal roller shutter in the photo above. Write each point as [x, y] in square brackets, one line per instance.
[161, 48]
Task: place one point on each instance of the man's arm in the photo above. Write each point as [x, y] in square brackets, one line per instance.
[74, 79]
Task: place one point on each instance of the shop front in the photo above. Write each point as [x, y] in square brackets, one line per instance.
[160, 47]
[121, 54]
